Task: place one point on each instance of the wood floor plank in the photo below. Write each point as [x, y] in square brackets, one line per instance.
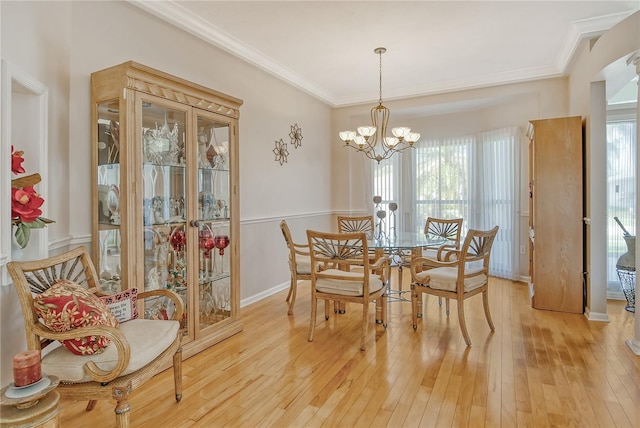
[538, 369]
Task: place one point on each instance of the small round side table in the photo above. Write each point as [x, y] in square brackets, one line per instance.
[39, 410]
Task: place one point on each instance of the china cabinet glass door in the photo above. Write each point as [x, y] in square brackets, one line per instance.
[109, 261]
[164, 203]
[213, 219]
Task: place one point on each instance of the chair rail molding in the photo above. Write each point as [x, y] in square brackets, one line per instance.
[22, 97]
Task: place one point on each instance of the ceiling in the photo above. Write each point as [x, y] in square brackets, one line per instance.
[326, 47]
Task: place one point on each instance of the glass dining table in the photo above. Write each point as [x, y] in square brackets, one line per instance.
[401, 249]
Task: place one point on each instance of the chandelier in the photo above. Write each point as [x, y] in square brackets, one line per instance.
[373, 140]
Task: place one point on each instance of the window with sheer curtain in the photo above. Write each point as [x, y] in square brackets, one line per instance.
[474, 177]
[621, 194]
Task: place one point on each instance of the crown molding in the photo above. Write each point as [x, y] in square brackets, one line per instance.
[173, 13]
[585, 28]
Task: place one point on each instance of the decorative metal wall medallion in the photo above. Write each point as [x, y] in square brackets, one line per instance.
[281, 151]
[296, 135]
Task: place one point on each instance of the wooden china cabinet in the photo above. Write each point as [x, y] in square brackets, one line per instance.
[556, 212]
[165, 196]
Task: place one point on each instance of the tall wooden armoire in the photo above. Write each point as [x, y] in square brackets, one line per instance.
[556, 211]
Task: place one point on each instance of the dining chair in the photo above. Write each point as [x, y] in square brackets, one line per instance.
[437, 229]
[95, 356]
[361, 285]
[456, 279]
[350, 224]
[299, 264]
[449, 229]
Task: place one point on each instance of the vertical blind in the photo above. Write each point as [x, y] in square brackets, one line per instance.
[621, 192]
[474, 177]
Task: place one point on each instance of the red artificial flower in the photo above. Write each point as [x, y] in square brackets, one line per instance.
[16, 161]
[25, 204]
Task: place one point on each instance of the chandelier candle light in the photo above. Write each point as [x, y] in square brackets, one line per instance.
[372, 140]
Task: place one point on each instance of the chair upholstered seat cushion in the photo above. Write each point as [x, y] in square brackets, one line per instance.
[444, 278]
[430, 253]
[147, 340]
[303, 265]
[350, 287]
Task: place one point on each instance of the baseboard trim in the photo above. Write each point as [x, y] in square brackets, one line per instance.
[634, 345]
[596, 316]
[271, 291]
[525, 279]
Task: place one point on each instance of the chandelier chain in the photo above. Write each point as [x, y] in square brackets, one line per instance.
[380, 83]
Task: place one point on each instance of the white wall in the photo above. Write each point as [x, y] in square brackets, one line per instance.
[62, 43]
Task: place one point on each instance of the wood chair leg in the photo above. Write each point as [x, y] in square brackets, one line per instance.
[419, 308]
[439, 301]
[385, 302]
[121, 394]
[365, 324]
[447, 307]
[290, 289]
[327, 309]
[91, 404]
[414, 306]
[312, 323]
[292, 293]
[463, 324]
[177, 373]
[487, 313]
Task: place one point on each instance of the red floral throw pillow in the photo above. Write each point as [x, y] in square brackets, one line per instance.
[66, 306]
[123, 305]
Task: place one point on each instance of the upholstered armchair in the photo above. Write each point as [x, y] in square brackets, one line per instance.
[95, 355]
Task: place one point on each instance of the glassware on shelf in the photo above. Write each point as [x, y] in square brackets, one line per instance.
[176, 209]
[206, 303]
[221, 150]
[221, 242]
[206, 205]
[113, 154]
[178, 240]
[203, 148]
[113, 203]
[221, 293]
[157, 210]
[206, 244]
[162, 145]
[221, 209]
[158, 275]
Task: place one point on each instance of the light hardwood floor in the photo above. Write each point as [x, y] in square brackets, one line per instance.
[537, 369]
